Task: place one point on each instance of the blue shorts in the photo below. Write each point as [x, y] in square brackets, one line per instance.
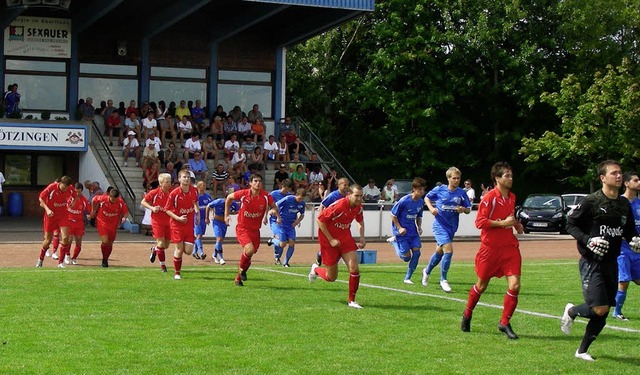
[628, 264]
[285, 233]
[406, 243]
[200, 229]
[219, 229]
[442, 235]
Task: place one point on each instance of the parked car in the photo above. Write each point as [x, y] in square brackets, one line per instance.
[543, 213]
[573, 200]
[404, 187]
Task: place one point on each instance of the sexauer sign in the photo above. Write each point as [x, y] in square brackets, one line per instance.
[38, 37]
[43, 137]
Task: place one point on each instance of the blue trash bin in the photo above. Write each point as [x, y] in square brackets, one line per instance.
[15, 204]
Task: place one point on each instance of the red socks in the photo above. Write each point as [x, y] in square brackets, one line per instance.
[55, 243]
[474, 297]
[43, 251]
[245, 262]
[106, 251]
[177, 264]
[160, 254]
[354, 283]
[510, 303]
[76, 252]
[64, 250]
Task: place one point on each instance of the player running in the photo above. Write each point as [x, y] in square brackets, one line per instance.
[219, 225]
[342, 191]
[284, 191]
[201, 227]
[110, 212]
[54, 200]
[79, 209]
[156, 201]
[291, 210]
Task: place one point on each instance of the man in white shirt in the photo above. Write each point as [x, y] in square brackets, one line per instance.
[244, 127]
[371, 192]
[191, 146]
[471, 193]
[131, 147]
[2, 180]
[231, 146]
[239, 161]
[270, 149]
[184, 128]
[155, 140]
[149, 125]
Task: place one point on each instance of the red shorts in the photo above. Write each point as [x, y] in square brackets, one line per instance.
[161, 230]
[331, 255]
[246, 237]
[498, 262]
[182, 234]
[107, 231]
[54, 222]
[76, 229]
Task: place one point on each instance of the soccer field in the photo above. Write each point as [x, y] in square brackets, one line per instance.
[141, 321]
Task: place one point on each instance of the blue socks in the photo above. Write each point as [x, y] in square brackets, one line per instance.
[446, 263]
[198, 245]
[277, 250]
[413, 264]
[620, 298]
[290, 251]
[435, 260]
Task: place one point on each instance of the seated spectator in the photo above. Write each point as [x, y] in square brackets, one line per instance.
[132, 109]
[144, 111]
[331, 181]
[297, 147]
[291, 136]
[239, 162]
[219, 112]
[233, 184]
[183, 111]
[270, 149]
[226, 162]
[236, 114]
[249, 144]
[283, 153]
[388, 194]
[258, 129]
[295, 162]
[198, 166]
[219, 179]
[131, 148]
[168, 125]
[231, 146]
[131, 123]
[313, 164]
[217, 129]
[230, 128]
[254, 114]
[170, 169]
[244, 128]
[371, 192]
[316, 175]
[299, 178]
[172, 155]
[256, 159]
[185, 129]
[150, 173]
[210, 151]
[150, 155]
[191, 146]
[156, 142]
[315, 195]
[114, 125]
[286, 125]
[281, 175]
[149, 125]
[197, 116]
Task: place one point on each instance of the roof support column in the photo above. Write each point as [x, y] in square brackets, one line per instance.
[212, 97]
[280, 82]
[145, 71]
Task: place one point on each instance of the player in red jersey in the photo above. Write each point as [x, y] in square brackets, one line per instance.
[182, 208]
[110, 212]
[254, 203]
[156, 200]
[334, 235]
[79, 209]
[499, 254]
[53, 199]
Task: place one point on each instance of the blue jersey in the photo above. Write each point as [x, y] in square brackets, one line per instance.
[203, 201]
[446, 201]
[331, 198]
[218, 206]
[625, 249]
[289, 209]
[407, 211]
[277, 195]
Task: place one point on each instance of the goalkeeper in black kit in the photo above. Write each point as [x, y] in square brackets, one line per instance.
[599, 224]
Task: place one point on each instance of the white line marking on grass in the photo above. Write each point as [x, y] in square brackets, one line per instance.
[453, 299]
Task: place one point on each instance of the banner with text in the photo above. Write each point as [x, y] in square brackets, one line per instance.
[38, 37]
[43, 137]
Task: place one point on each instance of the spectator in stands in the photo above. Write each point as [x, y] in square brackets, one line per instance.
[315, 194]
[244, 128]
[150, 155]
[254, 114]
[316, 175]
[161, 116]
[182, 111]
[270, 149]
[131, 147]
[297, 147]
[389, 195]
[131, 109]
[172, 110]
[286, 125]
[172, 155]
[150, 173]
[236, 114]
[171, 170]
[299, 178]
[198, 166]
[283, 152]
[468, 188]
[256, 159]
[217, 129]
[226, 162]
[258, 130]
[313, 164]
[230, 128]
[291, 136]
[239, 162]
[331, 181]
[281, 175]
[191, 146]
[198, 116]
[210, 151]
[233, 184]
[219, 112]
[168, 126]
[371, 192]
[149, 124]
[295, 162]
[249, 144]
[86, 110]
[108, 110]
[220, 178]
[146, 108]
[122, 111]
[131, 124]
[113, 124]
[185, 129]
[231, 146]
[157, 144]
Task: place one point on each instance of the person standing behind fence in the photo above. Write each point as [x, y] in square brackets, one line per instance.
[406, 218]
[446, 203]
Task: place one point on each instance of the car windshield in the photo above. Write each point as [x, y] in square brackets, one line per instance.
[543, 202]
[404, 186]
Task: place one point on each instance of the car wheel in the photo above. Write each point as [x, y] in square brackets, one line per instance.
[526, 231]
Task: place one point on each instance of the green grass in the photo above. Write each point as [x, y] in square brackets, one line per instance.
[140, 321]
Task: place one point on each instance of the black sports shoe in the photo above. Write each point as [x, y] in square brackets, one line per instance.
[239, 283]
[164, 269]
[203, 256]
[105, 263]
[270, 242]
[465, 324]
[152, 257]
[243, 275]
[195, 255]
[319, 259]
[278, 262]
[507, 331]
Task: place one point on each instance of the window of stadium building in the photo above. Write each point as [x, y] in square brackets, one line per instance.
[169, 72]
[231, 95]
[49, 168]
[236, 75]
[36, 66]
[17, 169]
[118, 90]
[40, 92]
[109, 69]
[174, 91]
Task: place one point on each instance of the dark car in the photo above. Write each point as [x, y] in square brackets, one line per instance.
[543, 213]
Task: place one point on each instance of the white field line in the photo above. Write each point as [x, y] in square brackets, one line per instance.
[454, 299]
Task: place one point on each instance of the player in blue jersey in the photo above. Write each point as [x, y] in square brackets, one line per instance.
[344, 188]
[285, 190]
[446, 203]
[219, 225]
[201, 227]
[291, 209]
[628, 260]
[406, 217]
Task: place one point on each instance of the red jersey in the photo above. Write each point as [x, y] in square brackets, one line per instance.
[181, 203]
[108, 215]
[252, 208]
[57, 199]
[338, 217]
[157, 197]
[79, 209]
[494, 207]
